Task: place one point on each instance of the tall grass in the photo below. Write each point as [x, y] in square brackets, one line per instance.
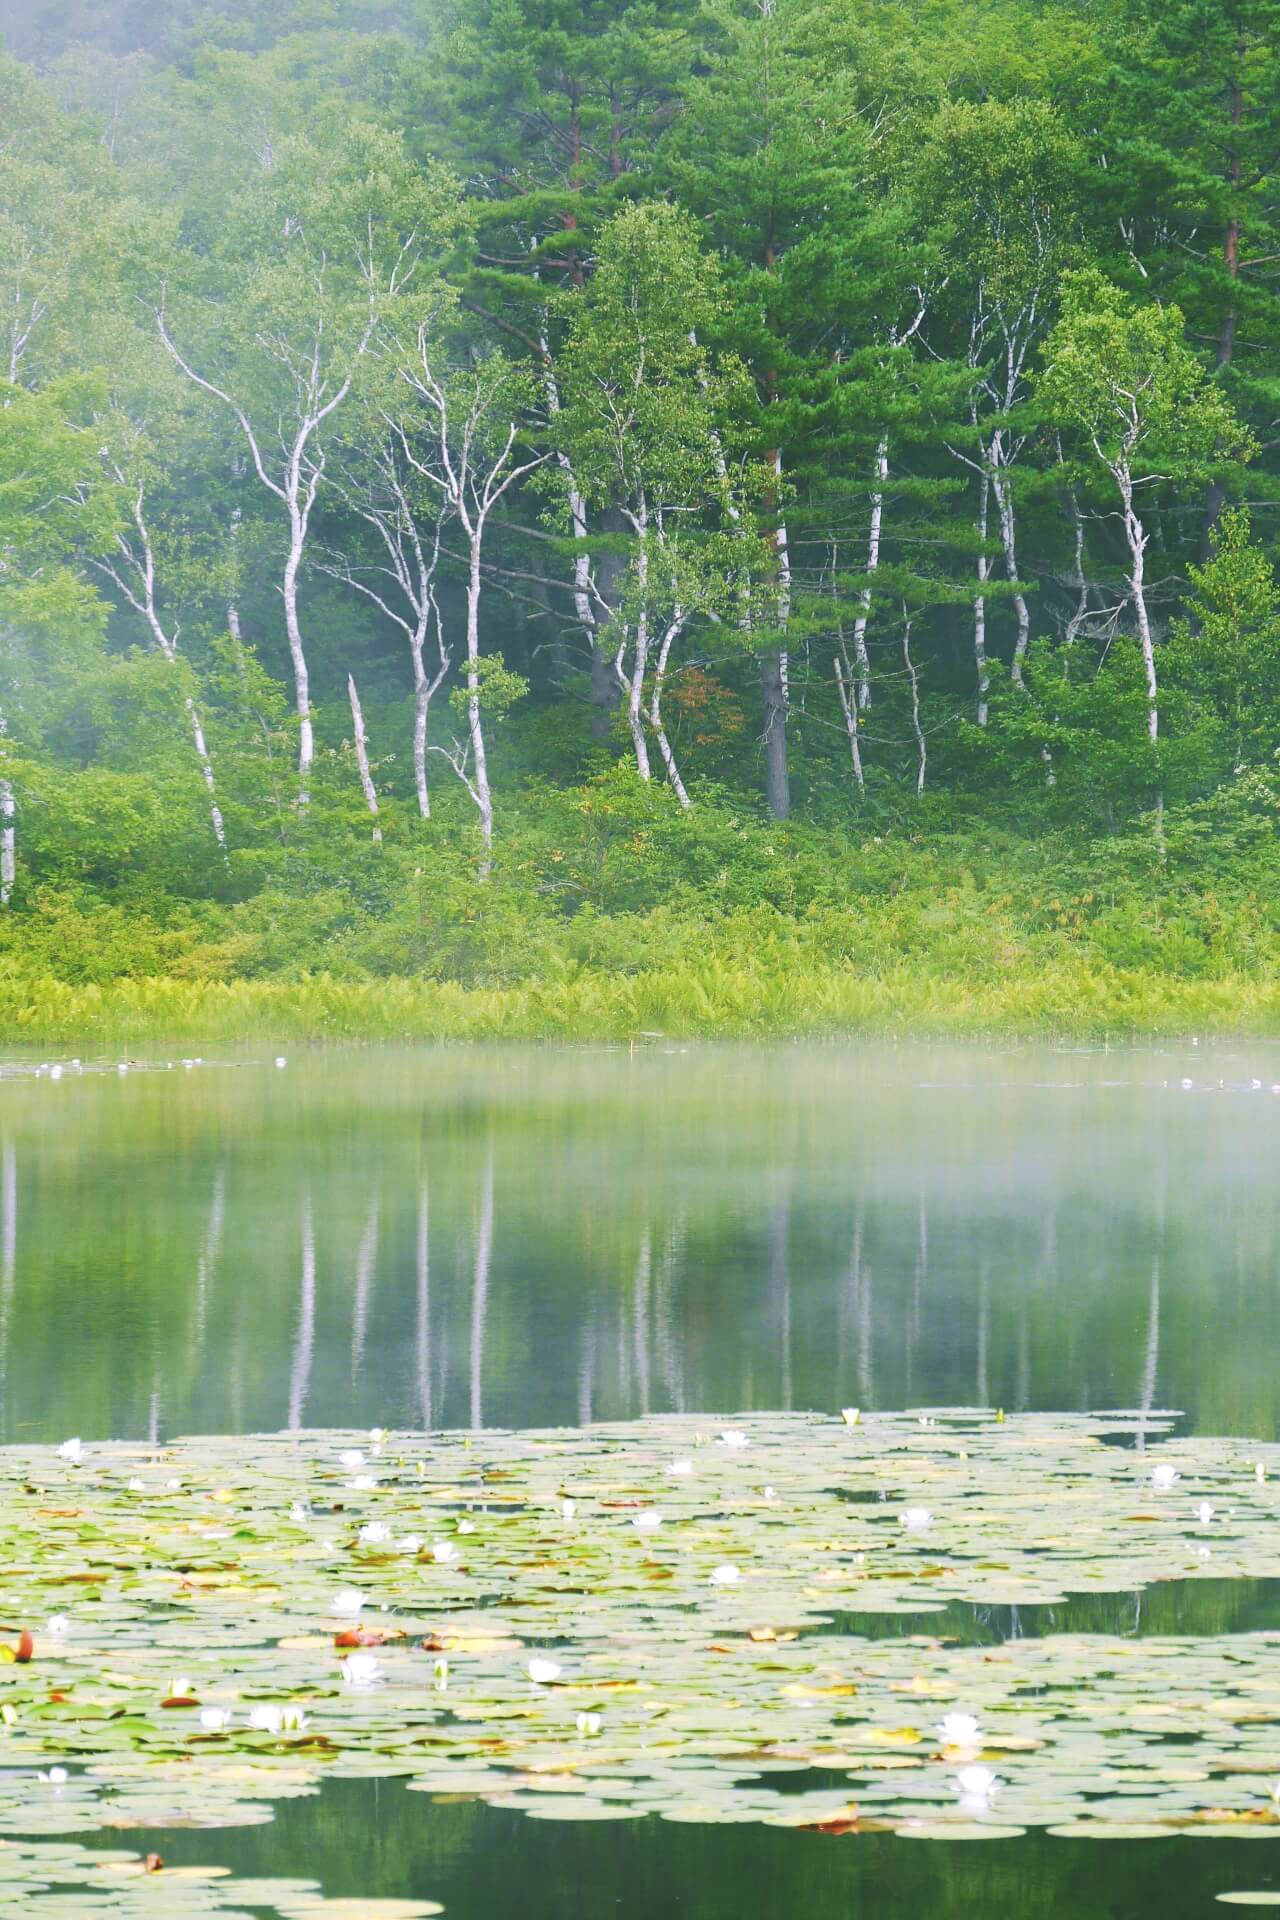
[719, 995]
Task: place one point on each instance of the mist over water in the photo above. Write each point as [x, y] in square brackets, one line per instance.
[532, 1237]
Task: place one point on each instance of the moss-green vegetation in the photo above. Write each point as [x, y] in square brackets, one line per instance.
[612, 913]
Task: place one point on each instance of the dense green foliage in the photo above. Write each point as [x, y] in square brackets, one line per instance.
[556, 499]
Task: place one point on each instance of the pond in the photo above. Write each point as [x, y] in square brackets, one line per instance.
[425, 1240]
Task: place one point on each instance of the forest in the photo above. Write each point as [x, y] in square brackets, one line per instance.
[562, 515]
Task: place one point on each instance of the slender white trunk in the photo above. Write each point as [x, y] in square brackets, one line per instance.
[421, 709]
[8, 842]
[577, 512]
[913, 679]
[655, 711]
[861, 657]
[362, 758]
[783, 549]
[480, 764]
[297, 654]
[980, 599]
[640, 661]
[1137, 537]
[206, 773]
[1008, 541]
[845, 685]
[141, 594]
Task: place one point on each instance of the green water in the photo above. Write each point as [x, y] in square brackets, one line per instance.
[428, 1238]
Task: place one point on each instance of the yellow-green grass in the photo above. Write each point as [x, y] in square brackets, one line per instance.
[1070, 997]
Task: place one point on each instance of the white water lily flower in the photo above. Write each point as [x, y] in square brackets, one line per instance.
[215, 1719]
[410, 1544]
[959, 1730]
[71, 1449]
[977, 1787]
[647, 1522]
[444, 1551]
[1260, 1473]
[347, 1603]
[680, 1469]
[281, 1061]
[299, 1514]
[377, 1436]
[1204, 1553]
[588, 1724]
[466, 1526]
[364, 1483]
[374, 1533]
[851, 1415]
[441, 1672]
[268, 1717]
[180, 1687]
[568, 1508]
[56, 1777]
[725, 1576]
[9, 1714]
[1204, 1513]
[916, 1519]
[1164, 1476]
[55, 1073]
[770, 1493]
[360, 1670]
[136, 1486]
[351, 1458]
[542, 1672]
[1275, 1793]
[173, 1486]
[733, 1437]
[58, 1624]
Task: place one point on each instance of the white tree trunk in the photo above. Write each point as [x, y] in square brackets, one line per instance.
[8, 842]
[980, 599]
[861, 658]
[1137, 537]
[206, 772]
[849, 707]
[297, 654]
[421, 709]
[914, 682]
[362, 758]
[639, 664]
[1008, 541]
[479, 762]
[655, 711]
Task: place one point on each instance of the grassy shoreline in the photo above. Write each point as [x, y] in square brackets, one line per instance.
[718, 998]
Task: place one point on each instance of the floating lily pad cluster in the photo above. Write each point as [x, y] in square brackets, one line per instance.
[83, 1884]
[656, 1617]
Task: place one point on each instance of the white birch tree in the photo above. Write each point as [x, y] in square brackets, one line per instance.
[336, 240]
[1124, 385]
[469, 442]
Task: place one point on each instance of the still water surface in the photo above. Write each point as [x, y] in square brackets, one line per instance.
[527, 1237]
